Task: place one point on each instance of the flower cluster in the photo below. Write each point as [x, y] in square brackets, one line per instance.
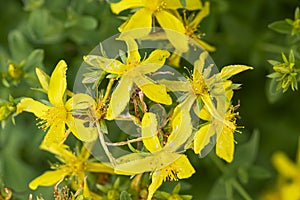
[126, 88]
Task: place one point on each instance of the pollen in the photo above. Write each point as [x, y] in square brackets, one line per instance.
[170, 173]
[101, 110]
[157, 5]
[53, 116]
[199, 86]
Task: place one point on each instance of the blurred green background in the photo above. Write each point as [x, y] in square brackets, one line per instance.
[69, 29]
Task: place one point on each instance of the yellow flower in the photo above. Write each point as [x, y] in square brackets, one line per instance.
[57, 115]
[74, 167]
[215, 92]
[141, 21]
[225, 138]
[191, 28]
[289, 175]
[164, 163]
[133, 71]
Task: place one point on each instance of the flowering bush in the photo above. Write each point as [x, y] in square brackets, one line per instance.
[146, 114]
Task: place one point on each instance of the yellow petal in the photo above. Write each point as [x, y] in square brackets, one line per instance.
[83, 133]
[202, 137]
[149, 132]
[95, 196]
[119, 98]
[44, 79]
[181, 125]
[284, 165]
[49, 178]
[33, 106]
[157, 180]
[176, 85]
[225, 145]
[199, 66]
[193, 4]
[228, 91]
[290, 191]
[184, 167]
[139, 24]
[55, 135]
[204, 114]
[109, 65]
[203, 44]
[58, 84]
[137, 163]
[172, 4]
[202, 14]
[86, 190]
[79, 102]
[154, 62]
[217, 114]
[174, 29]
[62, 152]
[99, 167]
[155, 92]
[229, 71]
[124, 5]
[132, 48]
[134, 163]
[174, 60]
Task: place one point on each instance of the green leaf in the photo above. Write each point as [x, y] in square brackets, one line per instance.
[297, 13]
[125, 196]
[18, 45]
[246, 153]
[44, 28]
[218, 190]
[176, 189]
[274, 75]
[87, 23]
[30, 5]
[273, 62]
[243, 175]
[35, 59]
[273, 94]
[259, 172]
[281, 27]
[161, 195]
[186, 197]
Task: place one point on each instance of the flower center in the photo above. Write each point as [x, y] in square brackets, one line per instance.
[77, 166]
[101, 110]
[170, 173]
[230, 117]
[53, 116]
[131, 64]
[199, 86]
[156, 5]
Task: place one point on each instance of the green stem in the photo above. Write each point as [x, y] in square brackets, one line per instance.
[218, 162]
[109, 86]
[241, 190]
[103, 144]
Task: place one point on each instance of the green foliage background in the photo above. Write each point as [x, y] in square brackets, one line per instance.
[69, 29]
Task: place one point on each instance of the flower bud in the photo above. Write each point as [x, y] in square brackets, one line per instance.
[15, 71]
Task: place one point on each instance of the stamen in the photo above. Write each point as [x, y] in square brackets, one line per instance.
[52, 116]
